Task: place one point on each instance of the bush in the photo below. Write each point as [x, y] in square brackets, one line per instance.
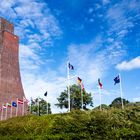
[80, 125]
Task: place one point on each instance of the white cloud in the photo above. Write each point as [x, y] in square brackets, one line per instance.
[28, 16]
[120, 18]
[91, 62]
[129, 65]
[29, 59]
[35, 85]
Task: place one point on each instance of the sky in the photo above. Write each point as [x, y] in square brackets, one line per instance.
[100, 38]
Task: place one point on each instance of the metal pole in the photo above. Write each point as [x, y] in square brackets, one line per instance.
[2, 113]
[121, 91]
[17, 108]
[23, 107]
[68, 86]
[100, 98]
[6, 112]
[81, 97]
[11, 110]
[38, 108]
[31, 105]
[47, 105]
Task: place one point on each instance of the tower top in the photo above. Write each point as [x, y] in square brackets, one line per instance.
[6, 25]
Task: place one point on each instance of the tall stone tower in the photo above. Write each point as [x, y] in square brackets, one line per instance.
[10, 80]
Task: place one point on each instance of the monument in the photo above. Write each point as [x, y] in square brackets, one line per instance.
[10, 81]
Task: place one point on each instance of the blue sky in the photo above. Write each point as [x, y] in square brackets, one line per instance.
[101, 38]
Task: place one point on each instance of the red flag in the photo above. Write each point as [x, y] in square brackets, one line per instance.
[4, 107]
[20, 101]
[8, 105]
[82, 86]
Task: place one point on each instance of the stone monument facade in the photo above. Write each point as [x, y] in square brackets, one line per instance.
[10, 80]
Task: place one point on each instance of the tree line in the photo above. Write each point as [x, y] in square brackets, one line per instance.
[39, 106]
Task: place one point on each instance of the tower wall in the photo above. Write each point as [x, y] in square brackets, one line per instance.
[10, 80]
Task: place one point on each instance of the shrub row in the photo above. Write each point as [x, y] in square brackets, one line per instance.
[80, 125]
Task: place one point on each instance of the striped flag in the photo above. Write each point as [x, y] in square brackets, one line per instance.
[8, 105]
[79, 80]
[20, 101]
[82, 86]
[4, 107]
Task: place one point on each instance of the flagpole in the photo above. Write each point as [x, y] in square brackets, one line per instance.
[68, 86]
[6, 112]
[121, 91]
[23, 107]
[31, 106]
[17, 108]
[100, 97]
[2, 113]
[38, 108]
[11, 110]
[81, 97]
[93, 99]
[47, 108]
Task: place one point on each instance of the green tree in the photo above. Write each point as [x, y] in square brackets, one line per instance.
[103, 107]
[118, 103]
[40, 107]
[75, 98]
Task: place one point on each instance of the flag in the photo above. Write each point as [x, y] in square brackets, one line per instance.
[70, 66]
[45, 94]
[25, 100]
[79, 80]
[82, 86]
[20, 101]
[31, 100]
[14, 104]
[4, 107]
[100, 84]
[116, 80]
[8, 105]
